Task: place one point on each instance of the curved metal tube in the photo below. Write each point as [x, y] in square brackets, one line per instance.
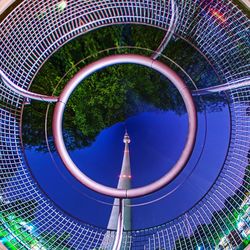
[4, 5]
[105, 62]
[170, 32]
[222, 87]
[120, 223]
[25, 93]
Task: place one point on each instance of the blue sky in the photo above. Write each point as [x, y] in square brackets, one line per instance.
[157, 139]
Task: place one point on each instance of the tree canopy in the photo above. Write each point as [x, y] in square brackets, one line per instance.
[111, 95]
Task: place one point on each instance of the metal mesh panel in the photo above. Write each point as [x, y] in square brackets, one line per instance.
[36, 29]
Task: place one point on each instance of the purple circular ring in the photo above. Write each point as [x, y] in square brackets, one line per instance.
[103, 63]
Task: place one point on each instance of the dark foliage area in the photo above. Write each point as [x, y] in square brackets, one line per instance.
[113, 94]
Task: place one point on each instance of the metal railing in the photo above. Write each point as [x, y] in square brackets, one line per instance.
[34, 30]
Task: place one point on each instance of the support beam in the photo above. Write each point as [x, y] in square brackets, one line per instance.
[120, 223]
[222, 87]
[25, 93]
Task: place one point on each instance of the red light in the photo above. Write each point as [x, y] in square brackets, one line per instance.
[125, 176]
[218, 15]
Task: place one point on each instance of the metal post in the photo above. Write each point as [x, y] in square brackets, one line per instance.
[120, 223]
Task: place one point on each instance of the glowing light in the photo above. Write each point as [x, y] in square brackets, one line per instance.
[62, 5]
[245, 202]
[247, 231]
[3, 240]
[81, 22]
[218, 15]
[38, 246]
[125, 176]
[224, 242]
[240, 225]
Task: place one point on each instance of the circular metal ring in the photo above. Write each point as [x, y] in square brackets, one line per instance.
[103, 63]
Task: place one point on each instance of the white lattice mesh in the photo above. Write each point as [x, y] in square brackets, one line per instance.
[27, 40]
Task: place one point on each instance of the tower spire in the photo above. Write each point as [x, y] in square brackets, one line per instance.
[123, 183]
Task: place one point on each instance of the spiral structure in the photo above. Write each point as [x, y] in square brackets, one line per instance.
[34, 30]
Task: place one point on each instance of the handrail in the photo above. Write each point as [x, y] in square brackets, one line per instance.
[222, 87]
[5, 4]
[25, 93]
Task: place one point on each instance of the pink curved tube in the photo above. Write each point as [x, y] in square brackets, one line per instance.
[103, 63]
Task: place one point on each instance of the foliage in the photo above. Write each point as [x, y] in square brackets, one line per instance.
[55, 241]
[14, 219]
[109, 96]
[105, 98]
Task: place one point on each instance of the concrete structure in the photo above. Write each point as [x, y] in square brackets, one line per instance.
[120, 205]
[124, 183]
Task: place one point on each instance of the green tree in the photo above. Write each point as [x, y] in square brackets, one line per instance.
[108, 96]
